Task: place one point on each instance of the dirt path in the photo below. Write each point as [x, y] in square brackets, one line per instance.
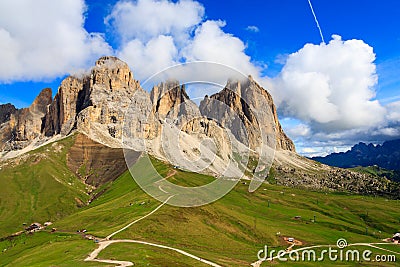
[172, 173]
[141, 218]
[106, 242]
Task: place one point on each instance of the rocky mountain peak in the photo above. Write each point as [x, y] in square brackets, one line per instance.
[167, 98]
[25, 124]
[41, 102]
[100, 97]
[108, 60]
[5, 112]
[113, 74]
[253, 105]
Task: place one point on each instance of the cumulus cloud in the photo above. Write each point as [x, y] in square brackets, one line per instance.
[148, 58]
[299, 130]
[211, 43]
[147, 19]
[156, 34]
[331, 86]
[393, 112]
[45, 39]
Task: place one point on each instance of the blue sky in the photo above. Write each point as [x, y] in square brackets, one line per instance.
[262, 37]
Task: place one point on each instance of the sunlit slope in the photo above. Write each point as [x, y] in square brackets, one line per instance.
[39, 187]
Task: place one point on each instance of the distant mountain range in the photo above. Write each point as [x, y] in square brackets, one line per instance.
[385, 156]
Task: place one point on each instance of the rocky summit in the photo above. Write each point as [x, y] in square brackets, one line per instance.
[21, 127]
[247, 109]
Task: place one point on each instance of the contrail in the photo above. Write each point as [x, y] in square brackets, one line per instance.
[316, 21]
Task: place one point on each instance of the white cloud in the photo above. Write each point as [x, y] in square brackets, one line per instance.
[147, 19]
[317, 151]
[281, 59]
[44, 39]
[157, 34]
[252, 28]
[393, 112]
[331, 86]
[387, 131]
[298, 130]
[211, 43]
[148, 58]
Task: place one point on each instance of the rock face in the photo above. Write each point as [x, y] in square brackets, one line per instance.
[25, 124]
[95, 102]
[60, 117]
[170, 101]
[5, 112]
[95, 163]
[107, 97]
[167, 98]
[249, 111]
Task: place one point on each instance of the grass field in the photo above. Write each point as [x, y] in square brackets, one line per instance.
[229, 231]
[39, 187]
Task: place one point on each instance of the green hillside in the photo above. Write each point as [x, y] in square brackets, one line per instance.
[38, 187]
[379, 172]
[228, 232]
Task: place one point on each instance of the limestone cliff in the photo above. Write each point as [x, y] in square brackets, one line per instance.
[94, 102]
[5, 112]
[25, 124]
[61, 115]
[249, 111]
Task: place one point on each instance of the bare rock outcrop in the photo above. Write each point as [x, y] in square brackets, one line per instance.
[171, 101]
[95, 163]
[249, 111]
[60, 118]
[5, 112]
[94, 103]
[109, 94]
[167, 98]
[25, 124]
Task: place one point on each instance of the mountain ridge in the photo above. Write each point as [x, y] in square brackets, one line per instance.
[97, 105]
[80, 101]
[386, 156]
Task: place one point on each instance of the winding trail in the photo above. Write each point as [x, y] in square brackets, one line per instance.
[106, 242]
[165, 178]
[141, 218]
